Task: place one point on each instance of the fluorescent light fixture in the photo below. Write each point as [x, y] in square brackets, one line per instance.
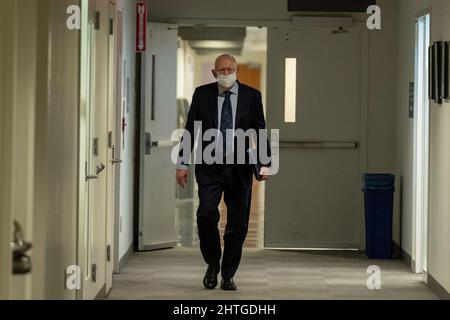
[290, 99]
[216, 44]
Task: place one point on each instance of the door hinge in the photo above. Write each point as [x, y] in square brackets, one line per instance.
[108, 253]
[110, 139]
[111, 27]
[94, 273]
[95, 147]
[97, 20]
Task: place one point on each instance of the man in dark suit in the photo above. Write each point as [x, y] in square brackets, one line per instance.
[224, 106]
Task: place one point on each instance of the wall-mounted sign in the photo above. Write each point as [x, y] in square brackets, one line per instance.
[439, 85]
[141, 27]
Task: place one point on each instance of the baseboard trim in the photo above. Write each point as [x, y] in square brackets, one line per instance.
[436, 287]
[396, 250]
[160, 246]
[101, 295]
[408, 260]
[126, 257]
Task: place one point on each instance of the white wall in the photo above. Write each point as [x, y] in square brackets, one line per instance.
[439, 210]
[185, 71]
[382, 90]
[439, 216]
[382, 69]
[439, 183]
[128, 152]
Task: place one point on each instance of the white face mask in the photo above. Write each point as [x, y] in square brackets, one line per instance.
[227, 81]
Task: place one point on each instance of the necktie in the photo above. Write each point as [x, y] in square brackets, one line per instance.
[226, 122]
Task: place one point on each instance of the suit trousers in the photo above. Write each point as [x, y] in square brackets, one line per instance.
[224, 180]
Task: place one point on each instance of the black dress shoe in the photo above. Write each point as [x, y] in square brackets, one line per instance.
[228, 285]
[210, 279]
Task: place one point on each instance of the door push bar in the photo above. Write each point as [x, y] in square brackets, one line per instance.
[150, 144]
[318, 145]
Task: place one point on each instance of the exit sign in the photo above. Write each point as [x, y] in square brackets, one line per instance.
[141, 27]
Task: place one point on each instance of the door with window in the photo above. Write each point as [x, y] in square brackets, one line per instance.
[315, 85]
[158, 121]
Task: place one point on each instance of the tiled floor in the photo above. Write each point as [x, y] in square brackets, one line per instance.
[264, 274]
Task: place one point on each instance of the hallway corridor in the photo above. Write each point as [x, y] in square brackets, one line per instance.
[177, 274]
[114, 115]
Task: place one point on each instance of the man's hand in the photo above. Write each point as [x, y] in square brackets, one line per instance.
[182, 177]
[264, 173]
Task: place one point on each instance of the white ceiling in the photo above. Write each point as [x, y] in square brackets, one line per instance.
[256, 39]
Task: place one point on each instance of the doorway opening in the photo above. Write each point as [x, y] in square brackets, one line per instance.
[421, 144]
[197, 51]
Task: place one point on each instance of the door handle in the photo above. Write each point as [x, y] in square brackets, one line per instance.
[114, 160]
[21, 261]
[148, 143]
[100, 168]
[86, 172]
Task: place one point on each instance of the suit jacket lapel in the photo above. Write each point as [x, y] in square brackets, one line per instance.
[241, 103]
[214, 102]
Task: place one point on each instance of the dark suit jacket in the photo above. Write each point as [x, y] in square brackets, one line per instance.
[249, 115]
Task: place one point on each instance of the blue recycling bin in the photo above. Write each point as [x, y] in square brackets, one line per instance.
[379, 202]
